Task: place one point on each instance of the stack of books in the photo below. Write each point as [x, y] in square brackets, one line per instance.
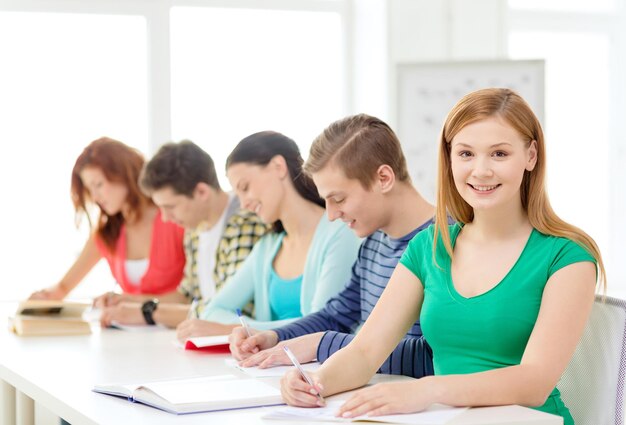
[48, 317]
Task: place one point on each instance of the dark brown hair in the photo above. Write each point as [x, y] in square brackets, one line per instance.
[260, 148]
[180, 166]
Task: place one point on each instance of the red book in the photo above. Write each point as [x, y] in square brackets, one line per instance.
[211, 344]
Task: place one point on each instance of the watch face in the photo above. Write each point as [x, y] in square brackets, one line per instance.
[147, 309]
[150, 306]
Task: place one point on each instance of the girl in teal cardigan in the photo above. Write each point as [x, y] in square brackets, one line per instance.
[293, 270]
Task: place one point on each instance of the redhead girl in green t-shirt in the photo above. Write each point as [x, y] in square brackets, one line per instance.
[503, 296]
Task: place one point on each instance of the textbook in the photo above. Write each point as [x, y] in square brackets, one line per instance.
[437, 414]
[48, 317]
[199, 394]
[52, 308]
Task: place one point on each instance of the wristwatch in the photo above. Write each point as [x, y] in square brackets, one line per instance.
[148, 308]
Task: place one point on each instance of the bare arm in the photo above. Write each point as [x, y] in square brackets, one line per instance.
[392, 317]
[129, 313]
[171, 315]
[353, 366]
[87, 259]
[565, 307]
[110, 299]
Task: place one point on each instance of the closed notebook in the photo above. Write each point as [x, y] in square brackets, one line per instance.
[199, 394]
[217, 344]
[46, 317]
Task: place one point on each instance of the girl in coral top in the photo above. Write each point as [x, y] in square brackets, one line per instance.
[145, 254]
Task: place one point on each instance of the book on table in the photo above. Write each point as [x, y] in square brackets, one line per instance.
[50, 317]
[198, 394]
[217, 344]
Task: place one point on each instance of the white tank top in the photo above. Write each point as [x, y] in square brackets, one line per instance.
[135, 269]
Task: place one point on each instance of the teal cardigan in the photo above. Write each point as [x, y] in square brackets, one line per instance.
[327, 269]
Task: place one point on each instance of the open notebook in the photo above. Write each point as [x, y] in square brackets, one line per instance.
[435, 415]
[199, 394]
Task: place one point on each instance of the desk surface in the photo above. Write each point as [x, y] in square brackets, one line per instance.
[59, 373]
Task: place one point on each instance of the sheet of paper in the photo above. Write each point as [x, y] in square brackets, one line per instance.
[276, 371]
[434, 415]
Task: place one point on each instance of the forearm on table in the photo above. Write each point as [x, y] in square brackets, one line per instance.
[170, 314]
[522, 384]
[173, 297]
[347, 369]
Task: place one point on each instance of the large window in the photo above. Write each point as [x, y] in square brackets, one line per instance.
[75, 71]
[65, 79]
[240, 71]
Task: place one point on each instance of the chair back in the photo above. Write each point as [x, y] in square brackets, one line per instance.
[592, 386]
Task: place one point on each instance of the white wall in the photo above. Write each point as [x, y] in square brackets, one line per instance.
[424, 31]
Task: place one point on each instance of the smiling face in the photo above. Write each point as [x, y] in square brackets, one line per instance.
[488, 160]
[260, 187]
[347, 200]
[110, 196]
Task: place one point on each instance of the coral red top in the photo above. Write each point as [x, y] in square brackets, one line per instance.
[166, 262]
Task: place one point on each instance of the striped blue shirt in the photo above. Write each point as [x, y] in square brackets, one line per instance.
[378, 256]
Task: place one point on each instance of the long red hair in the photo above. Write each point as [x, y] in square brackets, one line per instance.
[120, 164]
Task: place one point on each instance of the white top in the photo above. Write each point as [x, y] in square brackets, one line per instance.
[135, 269]
[208, 241]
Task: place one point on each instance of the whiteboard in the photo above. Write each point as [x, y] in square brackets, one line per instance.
[425, 93]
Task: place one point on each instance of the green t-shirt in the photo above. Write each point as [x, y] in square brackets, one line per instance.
[490, 330]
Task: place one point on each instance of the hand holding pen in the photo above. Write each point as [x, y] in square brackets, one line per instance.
[193, 308]
[243, 323]
[296, 363]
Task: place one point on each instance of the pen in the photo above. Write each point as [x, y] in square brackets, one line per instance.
[243, 322]
[193, 314]
[298, 366]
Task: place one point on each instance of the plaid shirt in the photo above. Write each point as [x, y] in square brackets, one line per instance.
[241, 231]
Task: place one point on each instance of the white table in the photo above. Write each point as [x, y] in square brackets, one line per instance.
[59, 373]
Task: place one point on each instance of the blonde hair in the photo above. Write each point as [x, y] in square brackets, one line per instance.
[510, 107]
[358, 144]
